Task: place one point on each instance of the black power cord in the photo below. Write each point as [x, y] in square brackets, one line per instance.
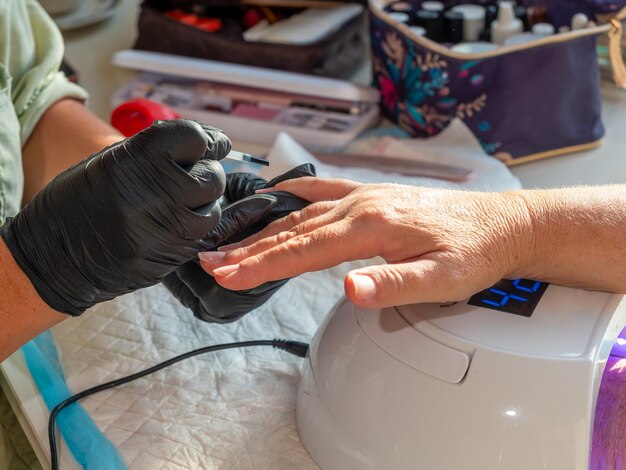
[293, 347]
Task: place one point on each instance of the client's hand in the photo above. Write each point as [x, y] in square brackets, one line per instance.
[197, 290]
[440, 245]
[125, 217]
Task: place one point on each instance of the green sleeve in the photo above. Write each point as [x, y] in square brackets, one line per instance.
[31, 49]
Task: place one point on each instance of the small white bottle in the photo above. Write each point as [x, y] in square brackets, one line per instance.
[506, 25]
[579, 21]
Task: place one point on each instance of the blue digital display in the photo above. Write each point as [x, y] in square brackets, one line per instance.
[519, 296]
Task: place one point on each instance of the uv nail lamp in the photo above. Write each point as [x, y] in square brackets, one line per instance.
[506, 380]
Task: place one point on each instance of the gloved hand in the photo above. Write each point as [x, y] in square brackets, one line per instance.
[127, 216]
[197, 290]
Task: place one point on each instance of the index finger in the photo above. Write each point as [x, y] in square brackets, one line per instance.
[182, 141]
[323, 248]
[316, 189]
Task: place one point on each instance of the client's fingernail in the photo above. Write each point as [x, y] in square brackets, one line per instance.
[211, 256]
[231, 246]
[364, 287]
[265, 190]
[226, 270]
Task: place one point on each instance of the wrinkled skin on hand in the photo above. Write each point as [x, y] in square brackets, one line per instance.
[439, 245]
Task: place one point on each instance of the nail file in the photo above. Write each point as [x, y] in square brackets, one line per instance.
[397, 165]
[246, 157]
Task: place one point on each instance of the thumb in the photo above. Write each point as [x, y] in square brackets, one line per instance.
[419, 281]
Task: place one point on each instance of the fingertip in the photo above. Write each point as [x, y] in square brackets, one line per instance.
[218, 143]
[181, 140]
[361, 289]
[211, 257]
[208, 267]
[229, 277]
[206, 183]
[212, 260]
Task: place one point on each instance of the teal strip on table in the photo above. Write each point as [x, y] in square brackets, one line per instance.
[88, 445]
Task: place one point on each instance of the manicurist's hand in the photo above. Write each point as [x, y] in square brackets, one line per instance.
[123, 218]
[439, 245]
[197, 290]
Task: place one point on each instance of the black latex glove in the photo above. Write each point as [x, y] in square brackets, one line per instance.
[198, 290]
[126, 217]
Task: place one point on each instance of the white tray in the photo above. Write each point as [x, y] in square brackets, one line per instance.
[248, 129]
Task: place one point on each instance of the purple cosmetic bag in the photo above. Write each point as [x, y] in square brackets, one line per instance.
[522, 102]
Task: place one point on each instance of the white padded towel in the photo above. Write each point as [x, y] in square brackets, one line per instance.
[226, 410]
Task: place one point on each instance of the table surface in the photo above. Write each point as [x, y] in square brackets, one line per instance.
[89, 50]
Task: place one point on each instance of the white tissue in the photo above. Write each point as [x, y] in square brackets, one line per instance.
[455, 146]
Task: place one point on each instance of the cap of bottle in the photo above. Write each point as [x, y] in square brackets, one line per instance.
[418, 30]
[454, 26]
[401, 7]
[474, 47]
[400, 17]
[543, 29]
[432, 6]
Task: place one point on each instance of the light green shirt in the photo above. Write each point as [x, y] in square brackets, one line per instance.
[31, 49]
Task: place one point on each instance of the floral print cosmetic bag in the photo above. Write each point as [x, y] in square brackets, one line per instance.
[522, 102]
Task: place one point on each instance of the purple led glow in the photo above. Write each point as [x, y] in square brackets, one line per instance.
[619, 349]
[608, 450]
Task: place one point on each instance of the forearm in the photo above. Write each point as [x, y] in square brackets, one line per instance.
[578, 237]
[23, 315]
[66, 134]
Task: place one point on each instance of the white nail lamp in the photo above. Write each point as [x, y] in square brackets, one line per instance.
[506, 380]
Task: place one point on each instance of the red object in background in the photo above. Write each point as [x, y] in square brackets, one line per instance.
[251, 18]
[134, 116]
[211, 25]
[179, 15]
